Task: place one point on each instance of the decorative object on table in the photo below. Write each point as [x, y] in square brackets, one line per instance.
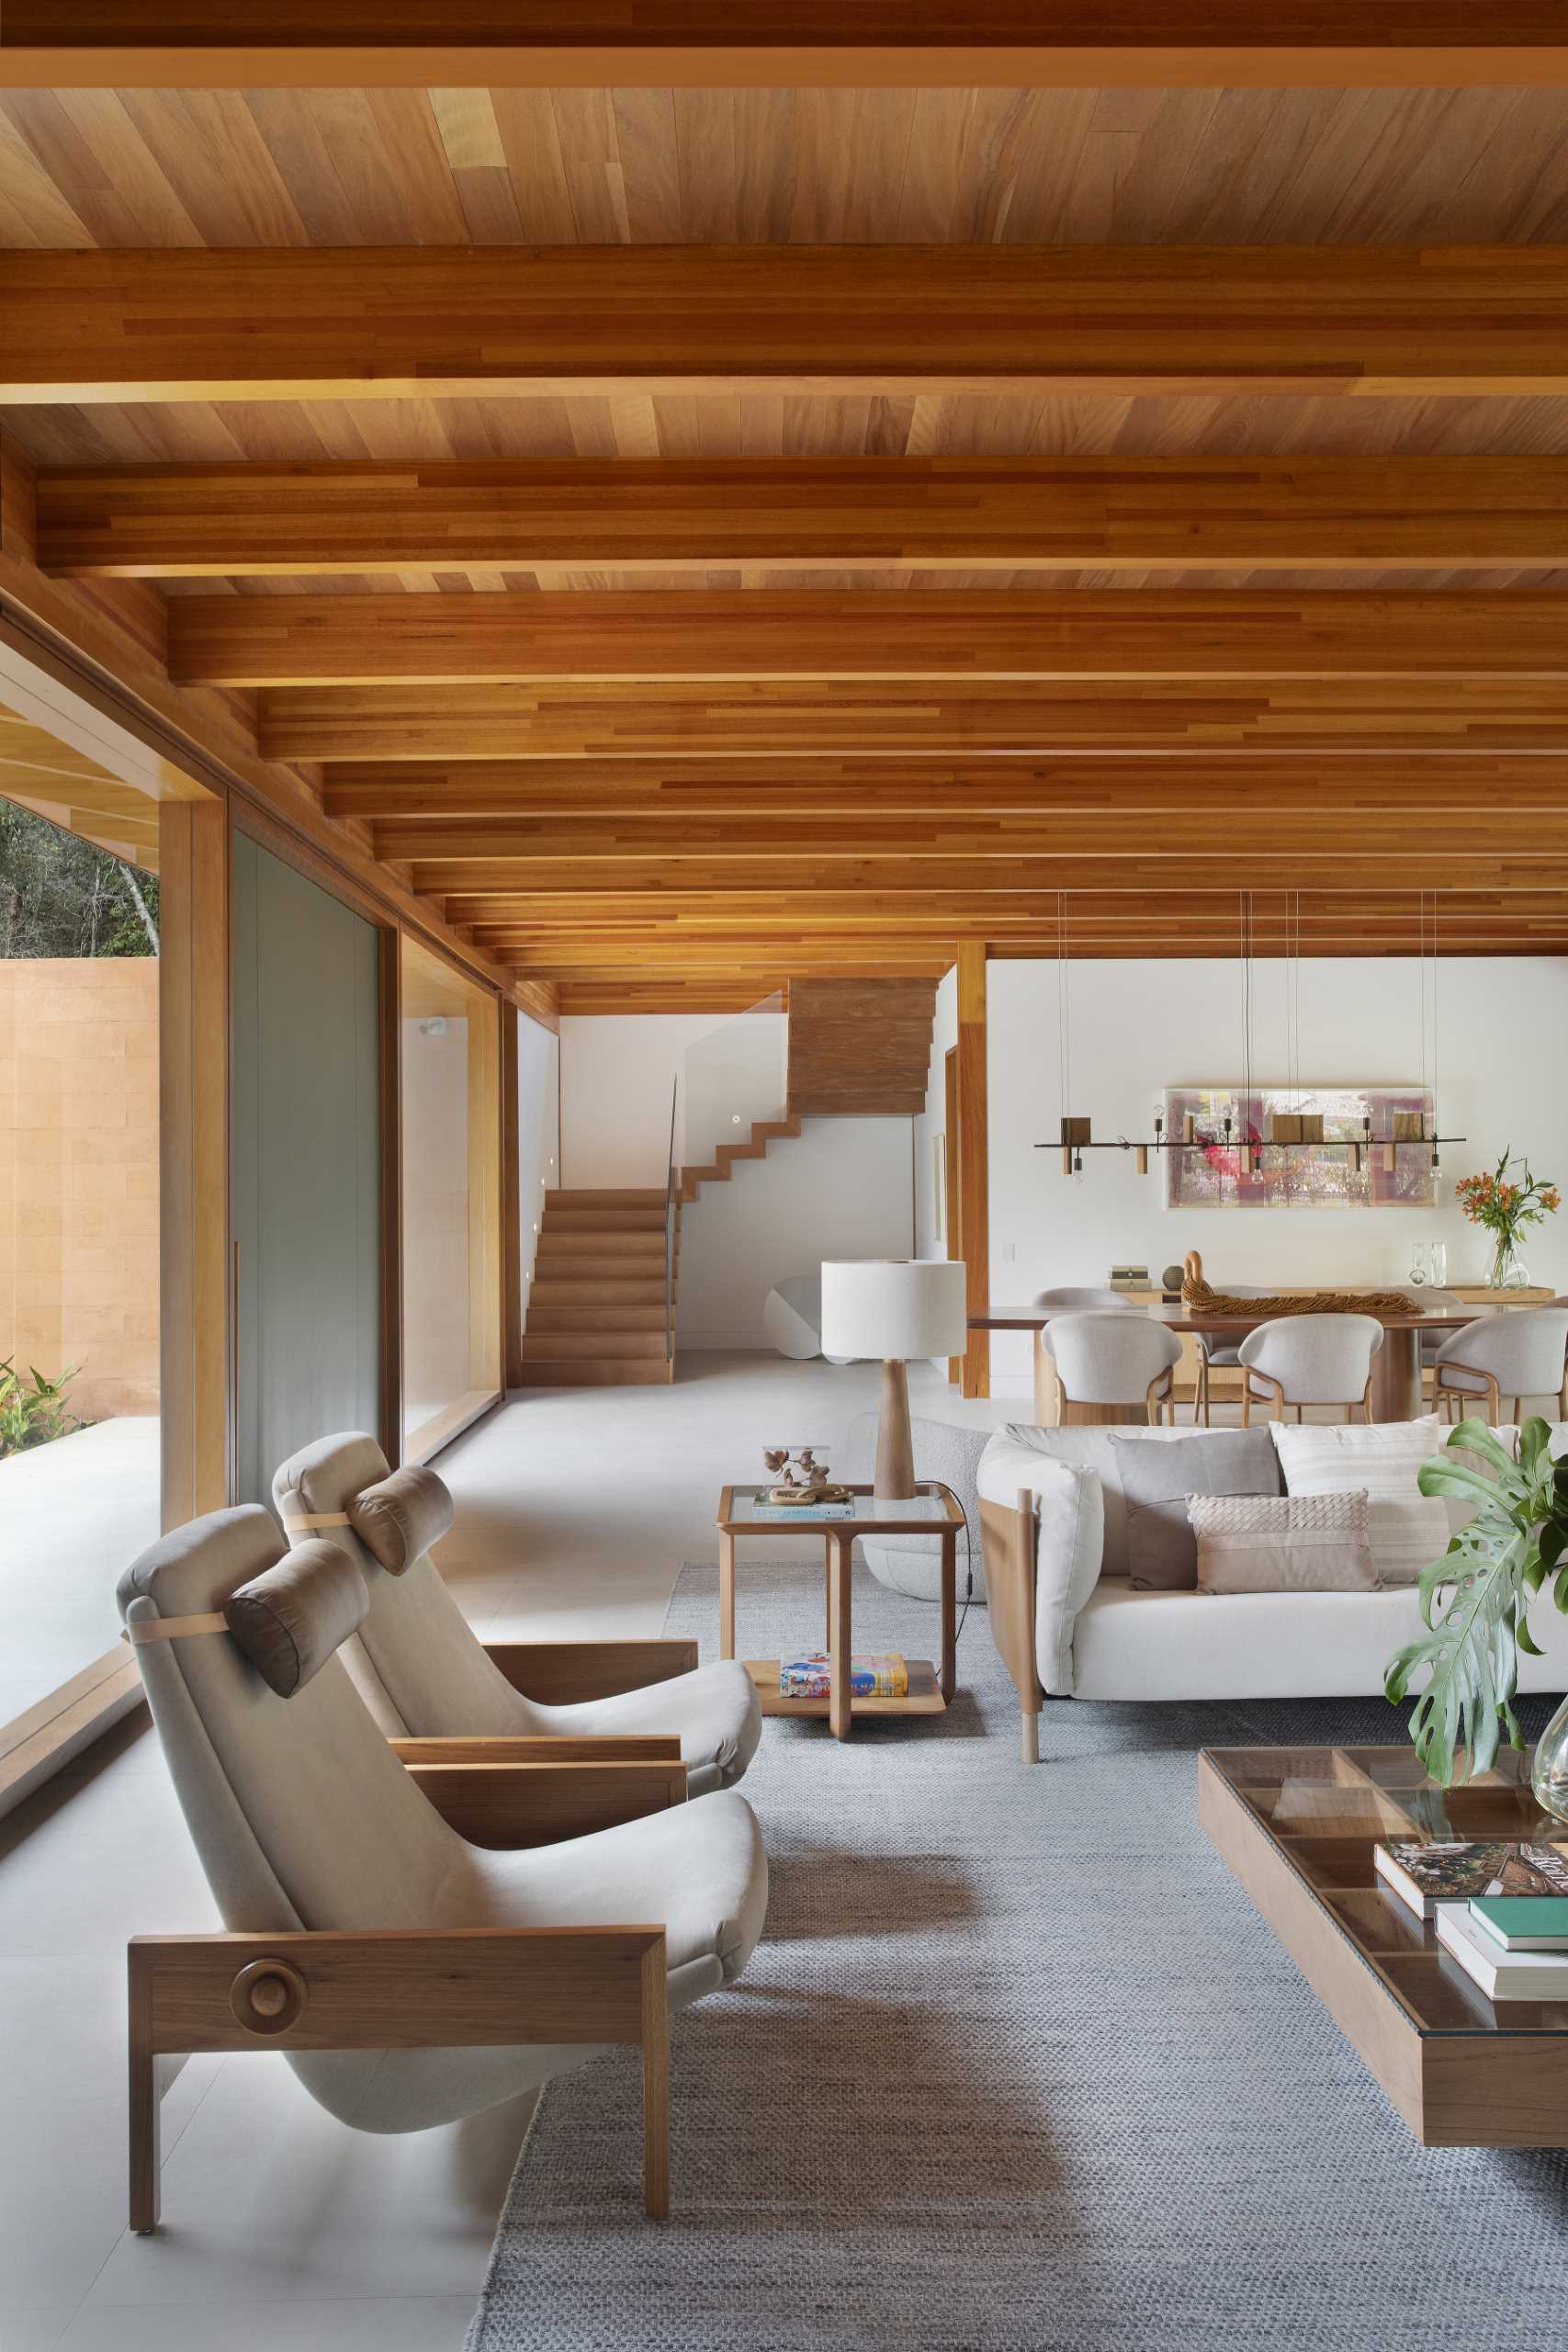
[813, 1487]
[1418, 1265]
[776, 1457]
[895, 1308]
[1504, 1209]
[1170, 1282]
[1491, 1571]
[1128, 1277]
[884, 1676]
[1197, 1294]
[1438, 1263]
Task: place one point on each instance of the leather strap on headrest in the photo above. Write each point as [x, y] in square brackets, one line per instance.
[172, 1629]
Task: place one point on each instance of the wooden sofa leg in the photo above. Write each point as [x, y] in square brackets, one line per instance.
[655, 2087]
[1028, 1736]
[146, 2150]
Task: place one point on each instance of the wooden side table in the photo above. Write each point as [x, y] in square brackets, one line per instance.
[931, 1511]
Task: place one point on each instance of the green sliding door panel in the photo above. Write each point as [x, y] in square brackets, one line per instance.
[306, 1147]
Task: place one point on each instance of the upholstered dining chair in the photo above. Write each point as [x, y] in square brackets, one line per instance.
[1310, 1360]
[409, 1975]
[1520, 1355]
[1108, 1365]
[1067, 1301]
[424, 1673]
[1214, 1350]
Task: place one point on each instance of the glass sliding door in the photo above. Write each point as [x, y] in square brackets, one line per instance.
[450, 1071]
[305, 1222]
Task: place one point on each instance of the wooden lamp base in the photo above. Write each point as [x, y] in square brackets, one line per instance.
[895, 1480]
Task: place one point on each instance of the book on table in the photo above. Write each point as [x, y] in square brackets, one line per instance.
[1424, 1873]
[1502, 1975]
[879, 1677]
[808, 1512]
[1523, 1922]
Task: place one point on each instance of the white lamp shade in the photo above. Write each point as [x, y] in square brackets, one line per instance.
[894, 1306]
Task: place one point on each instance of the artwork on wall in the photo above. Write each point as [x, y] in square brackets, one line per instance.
[1314, 1176]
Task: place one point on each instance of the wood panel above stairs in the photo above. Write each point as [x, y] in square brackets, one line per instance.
[596, 1314]
[860, 1047]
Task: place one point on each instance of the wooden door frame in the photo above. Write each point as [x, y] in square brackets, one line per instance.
[952, 1176]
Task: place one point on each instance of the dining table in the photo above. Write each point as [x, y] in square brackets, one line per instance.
[1397, 1367]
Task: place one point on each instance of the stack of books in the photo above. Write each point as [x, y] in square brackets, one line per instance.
[1129, 1278]
[885, 1676]
[763, 1508]
[1500, 1909]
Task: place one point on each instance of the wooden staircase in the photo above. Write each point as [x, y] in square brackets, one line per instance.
[764, 1131]
[596, 1314]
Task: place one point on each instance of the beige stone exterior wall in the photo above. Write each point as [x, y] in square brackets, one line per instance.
[79, 1176]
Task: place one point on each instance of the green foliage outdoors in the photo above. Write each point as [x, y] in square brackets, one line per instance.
[33, 1409]
[1490, 1573]
[62, 896]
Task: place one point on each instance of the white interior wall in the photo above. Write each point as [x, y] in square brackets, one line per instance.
[1140, 1028]
[842, 1188]
[538, 1134]
[616, 1077]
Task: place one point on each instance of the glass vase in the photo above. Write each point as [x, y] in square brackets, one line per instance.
[1548, 1773]
[1508, 1269]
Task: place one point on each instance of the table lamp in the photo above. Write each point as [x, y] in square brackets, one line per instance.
[895, 1308]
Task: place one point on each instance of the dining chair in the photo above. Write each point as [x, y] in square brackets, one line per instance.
[409, 1974]
[424, 1673]
[1068, 1301]
[1444, 1302]
[1519, 1354]
[1107, 1365]
[1214, 1349]
[1310, 1360]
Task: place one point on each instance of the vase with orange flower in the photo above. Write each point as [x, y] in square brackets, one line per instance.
[1503, 1204]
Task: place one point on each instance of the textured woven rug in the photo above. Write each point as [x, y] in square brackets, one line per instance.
[1017, 2066]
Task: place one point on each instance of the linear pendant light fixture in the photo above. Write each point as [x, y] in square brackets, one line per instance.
[1295, 1130]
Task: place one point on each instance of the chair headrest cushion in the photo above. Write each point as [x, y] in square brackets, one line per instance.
[290, 1619]
[398, 1521]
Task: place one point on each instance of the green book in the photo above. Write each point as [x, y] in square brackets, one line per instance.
[1524, 1922]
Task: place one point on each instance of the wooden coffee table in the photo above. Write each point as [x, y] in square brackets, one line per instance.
[930, 1511]
[1297, 1825]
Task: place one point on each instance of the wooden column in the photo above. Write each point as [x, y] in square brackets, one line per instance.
[390, 1007]
[197, 1353]
[511, 1207]
[974, 1180]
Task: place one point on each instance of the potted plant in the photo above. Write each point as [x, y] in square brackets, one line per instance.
[33, 1409]
[1483, 1585]
[1505, 1209]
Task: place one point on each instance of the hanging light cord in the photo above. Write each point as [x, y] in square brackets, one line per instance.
[1064, 1022]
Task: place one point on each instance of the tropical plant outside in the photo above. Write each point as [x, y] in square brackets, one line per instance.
[32, 1409]
[1490, 1573]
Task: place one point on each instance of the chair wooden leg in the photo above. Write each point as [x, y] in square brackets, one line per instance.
[145, 2128]
[655, 2087]
[1247, 1404]
[1028, 1736]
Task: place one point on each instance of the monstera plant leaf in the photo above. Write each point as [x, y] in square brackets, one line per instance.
[1483, 1585]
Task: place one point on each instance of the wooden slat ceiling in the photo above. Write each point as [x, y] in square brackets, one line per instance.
[73, 792]
[667, 689]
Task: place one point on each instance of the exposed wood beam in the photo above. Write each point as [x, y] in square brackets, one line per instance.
[792, 866]
[628, 44]
[976, 513]
[1277, 915]
[1335, 782]
[447, 639]
[941, 718]
[406, 322]
[1419, 834]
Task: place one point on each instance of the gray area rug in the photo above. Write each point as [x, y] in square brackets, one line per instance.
[1017, 2066]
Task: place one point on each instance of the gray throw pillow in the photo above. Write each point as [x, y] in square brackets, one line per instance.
[1157, 1474]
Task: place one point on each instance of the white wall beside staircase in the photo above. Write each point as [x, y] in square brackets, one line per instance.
[842, 1188]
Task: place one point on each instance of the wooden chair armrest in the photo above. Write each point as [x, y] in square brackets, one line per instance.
[538, 1804]
[558, 1674]
[396, 1989]
[596, 1747]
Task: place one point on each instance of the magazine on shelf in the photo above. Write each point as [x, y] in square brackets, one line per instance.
[1424, 1873]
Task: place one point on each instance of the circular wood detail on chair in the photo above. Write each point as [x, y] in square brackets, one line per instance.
[268, 1997]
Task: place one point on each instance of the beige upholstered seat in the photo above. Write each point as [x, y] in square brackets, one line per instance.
[1110, 1365]
[305, 1819]
[1310, 1359]
[1518, 1356]
[422, 1672]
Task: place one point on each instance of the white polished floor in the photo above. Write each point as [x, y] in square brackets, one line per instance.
[575, 1510]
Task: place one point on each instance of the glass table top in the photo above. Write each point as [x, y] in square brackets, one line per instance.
[931, 1505]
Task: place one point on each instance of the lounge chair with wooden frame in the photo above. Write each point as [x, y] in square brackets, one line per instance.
[1520, 1355]
[410, 1975]
[424, 1673]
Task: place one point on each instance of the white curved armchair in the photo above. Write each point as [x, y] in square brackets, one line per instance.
[1110, 1365]
[1310, 1360]
[1068, 1301]
[423, 1672]
[360, 1920]
[1519, 1354]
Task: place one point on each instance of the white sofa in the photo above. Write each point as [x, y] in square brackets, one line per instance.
[1069, 1622]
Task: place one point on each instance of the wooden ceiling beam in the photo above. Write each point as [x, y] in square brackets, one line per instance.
[631, 44]
[448, 639]
[941, 719]
[1332, 784]
[425, 323]
[467, 884]
[975, 513]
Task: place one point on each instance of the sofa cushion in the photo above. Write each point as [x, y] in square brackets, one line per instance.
[1282, 1542]
[1092, 1449]
[1070, 1512]
[1404, 1528]
[1156, 1482]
